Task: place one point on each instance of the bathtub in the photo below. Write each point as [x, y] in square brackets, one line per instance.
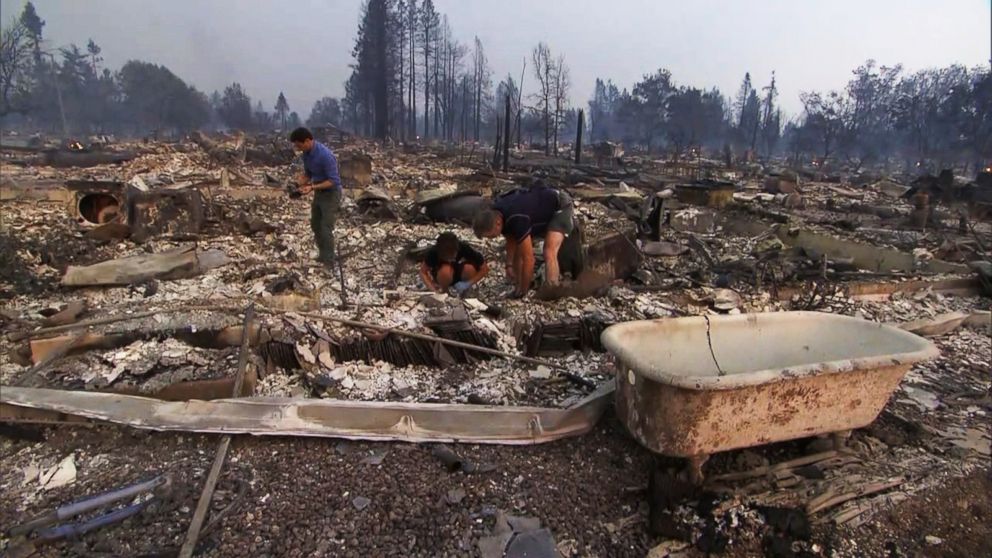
[691, 387]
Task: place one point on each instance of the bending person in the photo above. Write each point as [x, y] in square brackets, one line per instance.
[520, 216]
[452, 263]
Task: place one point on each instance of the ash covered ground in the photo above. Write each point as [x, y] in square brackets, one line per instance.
[599, 494]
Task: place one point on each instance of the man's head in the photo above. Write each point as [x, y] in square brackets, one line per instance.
[447, 246]
[488, 224]
[302, 139]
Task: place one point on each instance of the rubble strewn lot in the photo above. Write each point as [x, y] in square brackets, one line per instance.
[844, 248]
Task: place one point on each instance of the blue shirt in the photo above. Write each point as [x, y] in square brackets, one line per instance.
[320, 164]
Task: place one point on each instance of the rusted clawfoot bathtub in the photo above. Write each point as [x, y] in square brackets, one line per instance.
[690, 387]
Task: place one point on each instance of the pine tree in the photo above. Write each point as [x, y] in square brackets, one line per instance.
[282, 109]
[429, 21]
[33, 23]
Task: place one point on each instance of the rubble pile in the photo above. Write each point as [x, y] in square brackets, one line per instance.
[200, 230]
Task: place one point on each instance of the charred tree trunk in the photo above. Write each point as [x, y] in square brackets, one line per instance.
[464, 105]
[578, 139]
[437, 90]
[401, 121]
[496, 150]
[427, 80]
[506, 140]
[412, 125]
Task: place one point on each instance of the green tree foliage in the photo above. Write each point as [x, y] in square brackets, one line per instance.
[153, 98]
[325, 111]
[235, 108]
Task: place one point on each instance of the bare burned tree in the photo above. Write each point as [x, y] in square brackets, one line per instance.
[428, 39]
[562, 85]
[482, 81]
[411, 25]
[282, 110]
[15, 65]
[544, 97]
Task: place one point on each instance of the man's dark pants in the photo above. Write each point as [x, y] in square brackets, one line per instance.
[323, 217]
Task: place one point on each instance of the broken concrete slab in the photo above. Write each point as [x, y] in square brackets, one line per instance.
[177, 264]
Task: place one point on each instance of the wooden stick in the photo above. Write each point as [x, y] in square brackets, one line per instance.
[830, 498]
[203, 505]
[52, 357]
[765, 469]
[112, 319]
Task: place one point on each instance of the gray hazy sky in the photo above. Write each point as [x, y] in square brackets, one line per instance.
[303, 47]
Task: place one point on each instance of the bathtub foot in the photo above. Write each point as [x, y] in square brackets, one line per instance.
[696, 468]
[840, 439]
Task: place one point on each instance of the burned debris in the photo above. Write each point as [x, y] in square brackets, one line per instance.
[150, 314]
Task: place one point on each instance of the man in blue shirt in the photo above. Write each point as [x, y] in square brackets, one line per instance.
[320, 176]
[521, 215]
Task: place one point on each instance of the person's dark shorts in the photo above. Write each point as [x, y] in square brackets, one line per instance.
[459, 268]
[564, 220]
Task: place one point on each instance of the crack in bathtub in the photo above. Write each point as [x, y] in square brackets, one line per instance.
[709, 340]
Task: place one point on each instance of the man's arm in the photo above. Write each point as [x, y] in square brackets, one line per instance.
[511, 252]
[330, 168]
[524, 265]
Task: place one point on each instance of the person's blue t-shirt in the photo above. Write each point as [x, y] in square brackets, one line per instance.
[320, 164]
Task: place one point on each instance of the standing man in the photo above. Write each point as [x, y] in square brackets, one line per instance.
[521, 215]
[320, 176]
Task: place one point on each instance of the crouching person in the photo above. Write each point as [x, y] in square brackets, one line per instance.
[452, 263]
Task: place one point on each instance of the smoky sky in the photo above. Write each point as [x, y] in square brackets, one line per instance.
[303, 47]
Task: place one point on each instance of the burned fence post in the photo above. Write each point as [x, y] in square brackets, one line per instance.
[506, 141]
[578, 138]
